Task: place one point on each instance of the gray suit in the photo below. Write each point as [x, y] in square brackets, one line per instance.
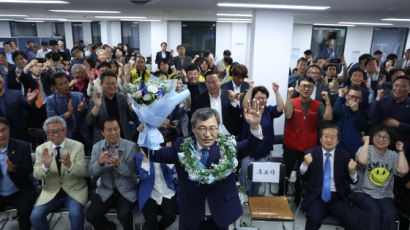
[177, 62]
[125, 113]
[122, 178]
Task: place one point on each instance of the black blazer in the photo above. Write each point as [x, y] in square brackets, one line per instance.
[231, 117]
[30, 83]
[177, 62]
[229, 86]
[16, 109]
[19, 153]
[313, 178]
[11, 79]
[159, 56]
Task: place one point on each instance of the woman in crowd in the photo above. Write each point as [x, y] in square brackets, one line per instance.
[358, 78]
[164, 71]
[203, 67]
[377, 166]
[119, 55]
[261, 94]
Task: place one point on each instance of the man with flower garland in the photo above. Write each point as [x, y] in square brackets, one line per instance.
[205, 165]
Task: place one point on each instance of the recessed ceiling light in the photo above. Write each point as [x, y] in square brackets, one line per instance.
[327, 24]
[122, 17]
[34, 1]
[46, 19]
[396, 19]
[272, 6]
[13, 15]
[28, 21]
[367, 23]
[233, 15]
[234, 19]
[75, 20]
[88, 11]
[139, 20]
[230, 21]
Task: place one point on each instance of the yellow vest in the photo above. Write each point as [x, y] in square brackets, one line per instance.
[135, 76]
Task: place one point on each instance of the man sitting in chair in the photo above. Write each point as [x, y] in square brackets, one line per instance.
[60, 162]
[208, 196]
[327, 172]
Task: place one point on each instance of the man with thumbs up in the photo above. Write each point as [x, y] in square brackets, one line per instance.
[70, 106]
[326, 173]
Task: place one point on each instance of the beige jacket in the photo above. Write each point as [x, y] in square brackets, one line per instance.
[73, 182]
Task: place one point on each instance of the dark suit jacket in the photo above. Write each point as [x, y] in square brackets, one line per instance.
[177, 62]
[222, 196]
[30, 83]
[19, 153]
[229, 86]
[11, 79]
[125, 113]
[231, 117]
[159, 56]
[57, 106]
[16, 107]
[313, 178]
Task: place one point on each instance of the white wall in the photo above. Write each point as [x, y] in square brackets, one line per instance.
[5, 29]
[68, 35]
[145, 38]
[158, 35]
[223, 39]
[301, 39]
[45, 29]
[358, 42]
[239, 42]
[174, 34]
[87, 35]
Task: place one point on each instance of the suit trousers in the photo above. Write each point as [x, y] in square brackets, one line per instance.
[23, 201]
[167, 210]
[210, 225]
[98, 208]
[317, 209]
[290, 158]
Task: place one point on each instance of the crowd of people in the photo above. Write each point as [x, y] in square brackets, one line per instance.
[347, 134]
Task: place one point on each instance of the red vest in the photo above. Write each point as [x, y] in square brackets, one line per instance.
[301, 129]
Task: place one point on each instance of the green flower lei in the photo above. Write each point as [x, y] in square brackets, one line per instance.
[226, 165]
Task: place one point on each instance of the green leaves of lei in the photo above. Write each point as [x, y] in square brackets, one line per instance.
[226, 165]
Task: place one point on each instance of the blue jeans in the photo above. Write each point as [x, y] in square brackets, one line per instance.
[39, 214]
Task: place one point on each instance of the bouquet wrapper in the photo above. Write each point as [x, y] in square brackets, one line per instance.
[153, 115]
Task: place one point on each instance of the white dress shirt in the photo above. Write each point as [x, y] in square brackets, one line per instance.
[236, 89]
[303, 169]
[216, 104]
[161, 188]
[55, 154]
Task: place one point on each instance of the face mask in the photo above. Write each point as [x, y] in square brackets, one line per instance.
[132, 62]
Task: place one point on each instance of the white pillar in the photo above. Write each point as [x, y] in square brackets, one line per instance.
[115, 31]
[87, 34]
[145, 38]
[223, 40]
[174, 36]
[271, 52]
[105, 38]
[68, 30]
[158, 35]
[239, 42]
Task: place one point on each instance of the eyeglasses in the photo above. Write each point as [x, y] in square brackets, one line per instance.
[380, 137]
[54, 132]
[306, 86]
[203, 129]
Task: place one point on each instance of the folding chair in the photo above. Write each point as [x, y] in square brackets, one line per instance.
[10, 215]
[269, 208]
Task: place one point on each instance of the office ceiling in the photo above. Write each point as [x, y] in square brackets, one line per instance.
[205, 10]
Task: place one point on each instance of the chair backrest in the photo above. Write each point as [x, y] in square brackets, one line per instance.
[270, 172]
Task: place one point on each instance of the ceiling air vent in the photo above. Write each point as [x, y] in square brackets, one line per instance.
[140, 2]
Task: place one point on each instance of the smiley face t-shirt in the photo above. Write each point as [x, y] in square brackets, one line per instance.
[377, 177]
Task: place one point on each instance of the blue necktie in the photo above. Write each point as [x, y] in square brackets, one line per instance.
[326, 179]
[204, 156]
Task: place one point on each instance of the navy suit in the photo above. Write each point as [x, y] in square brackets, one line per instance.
[159, 57]
[222, 196]
[18, 153]
[229, 86]
[30, 83]
[57, 106]
[338, 206]
[231, 117]
[11, 79]
[16, 113]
